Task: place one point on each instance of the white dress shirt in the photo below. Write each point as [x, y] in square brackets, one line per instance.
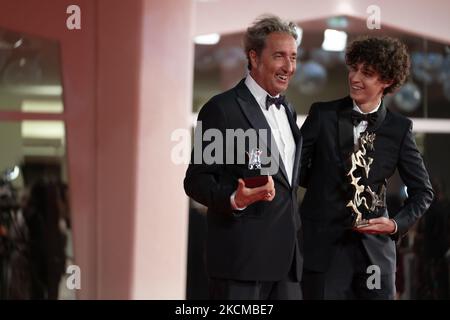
[279, 125]
[362, 126]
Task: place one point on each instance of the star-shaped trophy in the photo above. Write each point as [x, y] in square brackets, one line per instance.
[365, 203]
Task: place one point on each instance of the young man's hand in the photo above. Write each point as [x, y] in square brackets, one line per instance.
[380, 225]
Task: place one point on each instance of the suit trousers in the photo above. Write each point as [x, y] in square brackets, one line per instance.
[286, 289]
[349, 277]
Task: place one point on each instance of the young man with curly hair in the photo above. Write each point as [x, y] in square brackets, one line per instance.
[351, 147]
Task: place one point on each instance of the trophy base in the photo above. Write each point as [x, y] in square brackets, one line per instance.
[361, 223]
[254, 182]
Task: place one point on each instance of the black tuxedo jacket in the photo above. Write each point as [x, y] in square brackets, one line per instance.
[327, 145]
[257, 243]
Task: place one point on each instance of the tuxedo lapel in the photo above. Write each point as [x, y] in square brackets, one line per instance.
[346, 143]
[255, 117]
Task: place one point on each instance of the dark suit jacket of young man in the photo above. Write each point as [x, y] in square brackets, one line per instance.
[327, 144]
[258, 243]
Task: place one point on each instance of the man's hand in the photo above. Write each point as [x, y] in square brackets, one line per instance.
[380, 225]
[246, 196]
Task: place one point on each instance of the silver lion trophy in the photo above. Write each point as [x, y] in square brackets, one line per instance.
[254, 165]
[364, 202]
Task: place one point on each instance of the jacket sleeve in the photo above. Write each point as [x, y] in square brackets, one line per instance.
[414, 175]
[206, 181]
[310, 132]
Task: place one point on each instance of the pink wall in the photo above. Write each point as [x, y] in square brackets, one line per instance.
[165, 105]
[48, 19]
[127, 77]
[145, 83]
[118, 69]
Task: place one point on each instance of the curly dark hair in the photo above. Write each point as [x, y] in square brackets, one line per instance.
[385, 55]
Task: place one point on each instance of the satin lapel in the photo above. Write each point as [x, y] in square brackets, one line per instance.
[346, 143]
[256, 118]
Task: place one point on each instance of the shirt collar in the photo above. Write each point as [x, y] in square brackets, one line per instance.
[356, 108]
[257, 91]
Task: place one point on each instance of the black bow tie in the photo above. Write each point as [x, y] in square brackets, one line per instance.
[357, 117]
[276, 101]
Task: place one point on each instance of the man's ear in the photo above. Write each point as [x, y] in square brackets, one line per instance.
[387, 84]
[254, 59]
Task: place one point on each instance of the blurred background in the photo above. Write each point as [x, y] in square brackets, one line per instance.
[87, 122]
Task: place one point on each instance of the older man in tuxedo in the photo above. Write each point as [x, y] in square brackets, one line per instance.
[253, 251]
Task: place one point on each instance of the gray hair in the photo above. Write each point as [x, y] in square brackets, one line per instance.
[255, 37]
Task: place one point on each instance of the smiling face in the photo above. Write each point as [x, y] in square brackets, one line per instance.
[366, 88]
[276, 64]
